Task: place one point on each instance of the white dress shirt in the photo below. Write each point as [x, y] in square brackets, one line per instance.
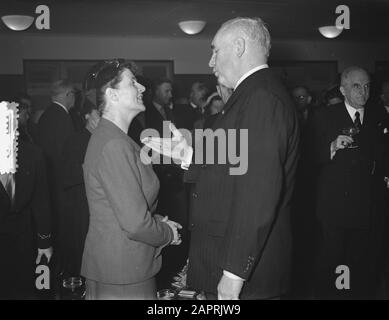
[249, 73]
[61, 105]
[351, 111]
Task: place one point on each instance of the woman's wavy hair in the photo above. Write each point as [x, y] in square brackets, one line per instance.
[106, 74]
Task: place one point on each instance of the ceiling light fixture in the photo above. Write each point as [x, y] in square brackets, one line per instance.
[330, 32]
[192, 26]
[18, 22]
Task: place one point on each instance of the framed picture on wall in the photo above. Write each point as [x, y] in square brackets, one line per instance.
[156, 69]
[381, 70]
[317, 76]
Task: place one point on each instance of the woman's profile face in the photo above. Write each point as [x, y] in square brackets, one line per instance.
[130, 92]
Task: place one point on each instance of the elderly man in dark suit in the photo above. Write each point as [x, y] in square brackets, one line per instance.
[54, 128]
[350, 188]
[241, 238]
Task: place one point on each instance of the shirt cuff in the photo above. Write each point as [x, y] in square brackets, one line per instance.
[232, 276]
[332, 152]
[187, 160]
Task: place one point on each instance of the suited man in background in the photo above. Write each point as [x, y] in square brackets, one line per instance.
[350, 188]
[161, 108]
[25, 224]
[75, 204]
[240, 230]
[187, 114]
[54, 128]
[172, 199]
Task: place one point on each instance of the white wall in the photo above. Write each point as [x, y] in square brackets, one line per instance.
[190, 55]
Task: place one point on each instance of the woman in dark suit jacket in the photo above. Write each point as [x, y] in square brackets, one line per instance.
[122, 251]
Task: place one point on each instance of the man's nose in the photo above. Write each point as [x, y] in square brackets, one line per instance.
[141, 88]
[211, 62]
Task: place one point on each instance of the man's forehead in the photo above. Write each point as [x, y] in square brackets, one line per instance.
[166, 86]
[358, 76]
[218, 39]
[300, 91]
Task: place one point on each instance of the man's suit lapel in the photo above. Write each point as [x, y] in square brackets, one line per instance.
[344, 117]
[235, 96]
[5, 201]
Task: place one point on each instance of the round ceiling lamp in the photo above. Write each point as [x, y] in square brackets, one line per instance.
[18, 22]
[330, 32]
[192, 26]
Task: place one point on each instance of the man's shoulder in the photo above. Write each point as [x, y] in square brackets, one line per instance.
[77, 140]
[53, 113]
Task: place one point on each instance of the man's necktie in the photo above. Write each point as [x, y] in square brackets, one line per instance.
[357, 121]
[162, 111]
[169, 114]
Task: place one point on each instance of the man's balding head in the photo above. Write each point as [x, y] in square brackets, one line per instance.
[239, 45]
[355, 86]
[252, 30]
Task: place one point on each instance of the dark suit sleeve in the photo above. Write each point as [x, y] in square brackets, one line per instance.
[256, 193]
[40, 203]
[121, 181]
[320, 142]
[72, 164]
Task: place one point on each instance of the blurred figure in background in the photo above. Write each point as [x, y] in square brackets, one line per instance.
[27, 129]
[54, 128]
[187, 114]
[75, 206]
[333, 96]
[172, 199]
[303, 100]
[25, 224]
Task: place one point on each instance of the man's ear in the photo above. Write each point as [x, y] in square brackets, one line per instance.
[341, 88]
[240, 46]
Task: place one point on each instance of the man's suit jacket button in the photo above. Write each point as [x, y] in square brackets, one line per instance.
[194, 195]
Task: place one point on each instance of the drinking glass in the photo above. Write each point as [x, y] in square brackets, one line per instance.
[351, 132]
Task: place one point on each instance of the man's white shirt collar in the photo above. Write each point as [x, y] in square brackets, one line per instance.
[351, 111]
[60, 104]
[249, 73]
